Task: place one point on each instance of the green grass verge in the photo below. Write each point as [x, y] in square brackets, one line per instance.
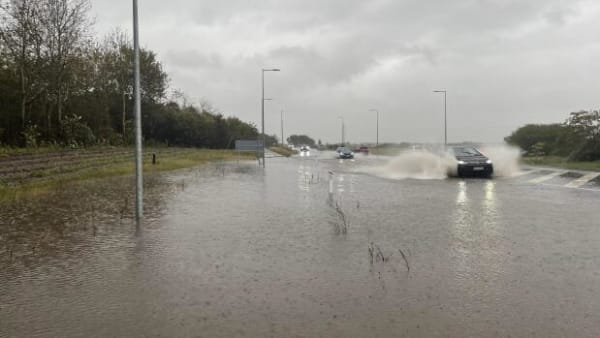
[283, 151]
[183, 158]
[561, 162]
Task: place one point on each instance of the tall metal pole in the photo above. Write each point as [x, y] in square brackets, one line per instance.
[262, 109]
[343, 131]
[139, 193]
[282, 127]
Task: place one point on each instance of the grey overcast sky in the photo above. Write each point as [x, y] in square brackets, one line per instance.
[504, 62]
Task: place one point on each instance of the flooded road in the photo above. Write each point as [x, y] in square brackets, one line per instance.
[228, 251]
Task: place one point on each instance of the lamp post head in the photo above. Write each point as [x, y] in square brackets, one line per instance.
[439, 91]
[271, 70]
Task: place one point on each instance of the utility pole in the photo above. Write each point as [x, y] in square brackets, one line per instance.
[343, 130]
[262, 109]
[139, 193]
[282, 127]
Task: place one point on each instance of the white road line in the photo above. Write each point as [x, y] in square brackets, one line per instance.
[523, 173]
[582, 180]
[546, 177]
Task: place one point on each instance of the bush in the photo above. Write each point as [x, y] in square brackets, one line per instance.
[587, 151]
[76, 133]
[31, 135]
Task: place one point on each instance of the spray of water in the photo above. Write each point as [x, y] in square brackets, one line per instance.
[505, 158]
[426, 165]
[423, 165]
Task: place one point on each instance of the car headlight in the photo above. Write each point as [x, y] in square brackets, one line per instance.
[462, 162]
[352, 153]
[488, 161]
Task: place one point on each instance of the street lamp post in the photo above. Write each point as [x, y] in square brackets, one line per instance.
[445, 117]
[262, 109]
[139, 207]
[377, 111]
[343, 130]
[282, 128]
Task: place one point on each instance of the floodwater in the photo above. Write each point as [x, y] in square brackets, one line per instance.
[237, 251]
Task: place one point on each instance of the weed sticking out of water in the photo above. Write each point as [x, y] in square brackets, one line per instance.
[342, 225]
[93, 220]
[405, 260]
[123, 210]
[376, 255]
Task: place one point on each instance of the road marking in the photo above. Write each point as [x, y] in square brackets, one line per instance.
[582, 180]
[546, 177]
[524, 172]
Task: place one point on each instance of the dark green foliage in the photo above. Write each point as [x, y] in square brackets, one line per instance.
[578, 138]
[82, 93]
[271, 140]
[299, 140]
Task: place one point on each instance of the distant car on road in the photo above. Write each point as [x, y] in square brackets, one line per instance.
[304, 151]
[344, 153]
[471, 162]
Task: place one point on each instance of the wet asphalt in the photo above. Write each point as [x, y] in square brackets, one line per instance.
[232, 250]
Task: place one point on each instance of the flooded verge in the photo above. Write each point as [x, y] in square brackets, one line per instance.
[237, 251]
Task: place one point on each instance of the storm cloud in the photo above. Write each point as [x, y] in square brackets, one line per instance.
[504, 62]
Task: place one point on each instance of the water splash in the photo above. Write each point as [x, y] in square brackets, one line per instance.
[505, 158]
[422, 165]
[430, 165]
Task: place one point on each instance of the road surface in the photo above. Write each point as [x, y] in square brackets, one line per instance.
[232, 250]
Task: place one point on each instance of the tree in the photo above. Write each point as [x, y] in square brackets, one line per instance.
[528, 136]
[21, 37]
[586, 128]
[301, 140]
[578, 137]
[66, 23]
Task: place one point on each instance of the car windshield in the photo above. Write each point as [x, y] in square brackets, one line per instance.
[343, 150]
[466, 151]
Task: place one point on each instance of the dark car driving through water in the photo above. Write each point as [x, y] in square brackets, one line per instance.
[471, 162]
[344, 153]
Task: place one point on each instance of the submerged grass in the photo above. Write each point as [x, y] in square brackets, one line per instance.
[561, 162]
[175, 158]
[283, 151]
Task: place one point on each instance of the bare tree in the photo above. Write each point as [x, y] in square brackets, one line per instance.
[66, 23]
[21, 35]
[117, 65]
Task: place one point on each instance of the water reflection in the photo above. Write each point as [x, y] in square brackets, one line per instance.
[478, 244]
[62, 223]
[304, 177]
[489, 205]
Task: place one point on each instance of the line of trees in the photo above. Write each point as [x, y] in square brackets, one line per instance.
[299, 140]
[60, 85]
[578, 138]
